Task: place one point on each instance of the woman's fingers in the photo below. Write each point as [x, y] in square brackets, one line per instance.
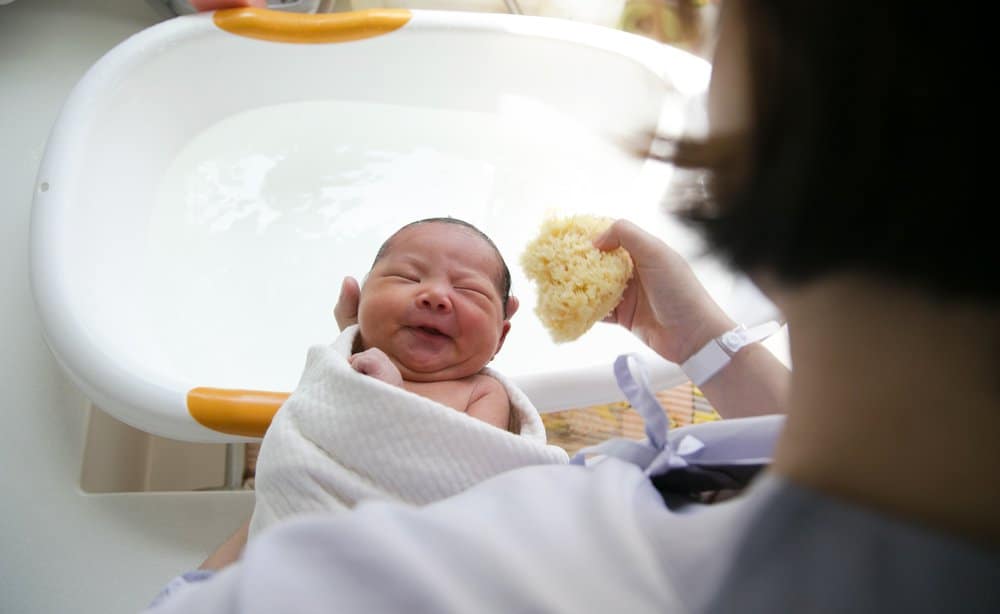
[346, 310]
[645, 249]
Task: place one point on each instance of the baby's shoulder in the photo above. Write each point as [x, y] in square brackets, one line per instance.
[487, 382]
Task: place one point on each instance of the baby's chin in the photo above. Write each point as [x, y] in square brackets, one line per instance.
[415, 373]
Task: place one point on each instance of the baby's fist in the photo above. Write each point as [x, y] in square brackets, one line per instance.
[373, 362]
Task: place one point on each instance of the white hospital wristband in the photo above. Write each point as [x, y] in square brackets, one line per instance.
[717, 353]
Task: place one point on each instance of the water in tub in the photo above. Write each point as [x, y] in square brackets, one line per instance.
[261, 215]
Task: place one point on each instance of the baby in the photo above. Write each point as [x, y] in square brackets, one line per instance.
[434, 310]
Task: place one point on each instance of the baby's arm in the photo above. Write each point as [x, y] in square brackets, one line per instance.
[375, 363]
[489, 402]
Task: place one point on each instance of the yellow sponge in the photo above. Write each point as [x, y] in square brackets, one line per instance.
[577, 283]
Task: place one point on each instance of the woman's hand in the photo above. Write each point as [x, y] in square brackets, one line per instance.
[346, 310]
[664, 304]
[374, 362]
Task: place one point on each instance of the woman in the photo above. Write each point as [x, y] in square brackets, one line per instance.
[832, 186]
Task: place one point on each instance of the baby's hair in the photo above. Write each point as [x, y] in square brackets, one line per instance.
[502, 280]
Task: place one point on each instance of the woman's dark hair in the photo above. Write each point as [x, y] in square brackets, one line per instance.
[502, 280]
[862, 153]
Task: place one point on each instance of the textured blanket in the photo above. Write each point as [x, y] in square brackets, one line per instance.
[343, 437]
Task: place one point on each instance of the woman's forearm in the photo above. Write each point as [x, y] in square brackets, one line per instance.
[754, 383]
[230, 550]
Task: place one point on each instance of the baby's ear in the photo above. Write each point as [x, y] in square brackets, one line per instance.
[512, 305]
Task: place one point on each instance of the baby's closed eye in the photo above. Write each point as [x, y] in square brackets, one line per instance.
[411, 277]
[473, 289]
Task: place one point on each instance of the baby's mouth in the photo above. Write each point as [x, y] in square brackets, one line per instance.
[430, 330]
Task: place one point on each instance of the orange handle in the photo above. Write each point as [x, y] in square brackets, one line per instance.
[287, 27]
[236, 412]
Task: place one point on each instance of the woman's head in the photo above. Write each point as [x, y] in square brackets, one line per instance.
[844, 139]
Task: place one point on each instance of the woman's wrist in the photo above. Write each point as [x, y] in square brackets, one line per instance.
[709, 330]
[720, 350]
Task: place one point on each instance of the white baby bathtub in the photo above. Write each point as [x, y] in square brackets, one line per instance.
[212, 179]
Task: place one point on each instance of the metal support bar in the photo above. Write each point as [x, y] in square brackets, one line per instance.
[513, 7]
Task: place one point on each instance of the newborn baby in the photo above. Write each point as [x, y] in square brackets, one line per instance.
[434, 310]
[378, 414]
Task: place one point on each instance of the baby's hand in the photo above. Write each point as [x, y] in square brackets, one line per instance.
[375, 363]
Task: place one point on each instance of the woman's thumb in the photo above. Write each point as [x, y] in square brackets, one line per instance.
[346, 310]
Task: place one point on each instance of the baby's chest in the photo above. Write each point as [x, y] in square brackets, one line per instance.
[455, 394]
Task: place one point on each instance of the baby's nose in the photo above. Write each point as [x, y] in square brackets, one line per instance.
[435, 297]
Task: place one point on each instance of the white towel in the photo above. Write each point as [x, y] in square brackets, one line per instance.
[343, 437]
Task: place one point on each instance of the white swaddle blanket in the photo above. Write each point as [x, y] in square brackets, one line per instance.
[343, 437]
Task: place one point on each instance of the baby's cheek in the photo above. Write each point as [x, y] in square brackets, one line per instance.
[480, 322]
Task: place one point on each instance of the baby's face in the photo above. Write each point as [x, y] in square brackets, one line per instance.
[431, 303]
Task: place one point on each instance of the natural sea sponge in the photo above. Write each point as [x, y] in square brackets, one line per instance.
[578, 284]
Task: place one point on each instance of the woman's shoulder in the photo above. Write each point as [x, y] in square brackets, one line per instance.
[845, 557]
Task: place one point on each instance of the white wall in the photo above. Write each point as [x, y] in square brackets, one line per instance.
[62, 550]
